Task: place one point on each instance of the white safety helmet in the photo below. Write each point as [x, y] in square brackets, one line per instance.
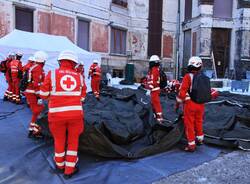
[19, 53]
[154, 58]
[12, 55]
[31, 58]
[40, 57]
[68, 55]
[195, 61]
[97, 62]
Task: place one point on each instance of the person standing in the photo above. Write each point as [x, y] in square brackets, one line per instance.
[193, 111]
[153, 83]
[35, 78]
[65, 91]
[5, 68]
[16, 75]
[95, 74]
[29, 64]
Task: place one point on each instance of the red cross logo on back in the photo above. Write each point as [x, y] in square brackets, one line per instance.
[68, 83]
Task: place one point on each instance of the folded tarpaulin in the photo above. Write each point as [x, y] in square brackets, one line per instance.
[122, 125]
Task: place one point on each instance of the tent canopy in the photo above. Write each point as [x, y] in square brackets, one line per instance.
[28, 43]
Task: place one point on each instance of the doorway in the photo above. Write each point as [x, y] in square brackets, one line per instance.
[221, 39]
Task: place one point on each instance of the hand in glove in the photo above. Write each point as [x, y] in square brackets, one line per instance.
[39, 101]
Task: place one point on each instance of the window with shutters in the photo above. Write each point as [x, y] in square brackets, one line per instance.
[188, 10]
[223, 8]
[118, 41]
[83, 34]
[123, 3]
[24, 19]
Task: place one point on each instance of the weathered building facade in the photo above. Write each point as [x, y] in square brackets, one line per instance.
[219, 28]
[125, 31]
[117, 29]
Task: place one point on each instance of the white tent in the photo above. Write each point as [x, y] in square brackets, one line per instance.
[28, 43]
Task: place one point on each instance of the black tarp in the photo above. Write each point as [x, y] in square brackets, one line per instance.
[121, 124]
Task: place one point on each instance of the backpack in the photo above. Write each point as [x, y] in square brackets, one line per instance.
[200, 90]
[3, 66]
[163, 79]
[24, 81]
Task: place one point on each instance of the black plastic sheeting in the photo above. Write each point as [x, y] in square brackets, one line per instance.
[227, 121]
[121, 125]
[29, 161]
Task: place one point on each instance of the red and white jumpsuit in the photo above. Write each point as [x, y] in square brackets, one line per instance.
[64, 89]
[9, 92]
[153, 81]
[27, 66]
[35, 78]
[16, 67]
[193, 112]
[95, 73]
[80, 70]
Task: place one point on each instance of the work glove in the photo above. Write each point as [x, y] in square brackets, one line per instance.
[39, 101]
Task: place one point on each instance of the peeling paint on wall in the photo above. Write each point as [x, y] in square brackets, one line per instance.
[5, 19]
[100, 37]
[138, 41]
[167, 46]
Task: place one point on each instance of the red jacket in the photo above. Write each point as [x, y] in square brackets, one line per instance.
[64, 88]
[15, 67]
[28, 66]
[153, 78]
[95, 71]
[35, 78]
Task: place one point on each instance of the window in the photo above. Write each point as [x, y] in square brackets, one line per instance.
[223, 8]
[244, 4]
[118, 41]
[188, 9]
[83, 34]
[24, 19]
[123, 3]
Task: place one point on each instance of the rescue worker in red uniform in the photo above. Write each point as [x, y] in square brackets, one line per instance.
[64, 89]
[193, 112]
[35, 78]
[29, 64]
[80, 70]
[153, 82]
[95, 74]
[16, 75]
[5, 68]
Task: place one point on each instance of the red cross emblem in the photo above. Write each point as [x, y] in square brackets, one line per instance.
[68, 83]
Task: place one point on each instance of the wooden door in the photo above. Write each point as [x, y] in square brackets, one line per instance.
[221, 39]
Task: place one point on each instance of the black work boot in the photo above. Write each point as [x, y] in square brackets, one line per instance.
[68, 176]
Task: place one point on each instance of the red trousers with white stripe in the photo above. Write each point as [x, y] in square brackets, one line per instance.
[35, 108]
[155, 101]
[16, 90]
[95, 85]
[66, 131]
[193, 120]
[9, 91]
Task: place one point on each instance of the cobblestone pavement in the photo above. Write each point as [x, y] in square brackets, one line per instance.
[229, 168]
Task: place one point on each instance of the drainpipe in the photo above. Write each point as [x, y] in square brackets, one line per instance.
[177, 67]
